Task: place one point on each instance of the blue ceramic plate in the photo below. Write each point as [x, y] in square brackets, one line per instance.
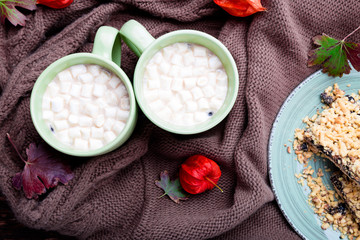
[291, 196]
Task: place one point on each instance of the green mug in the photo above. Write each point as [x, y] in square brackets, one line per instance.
[145, 47]
[106, 53]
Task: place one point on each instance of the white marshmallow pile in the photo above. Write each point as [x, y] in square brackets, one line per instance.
[185, 84]
[86, 106]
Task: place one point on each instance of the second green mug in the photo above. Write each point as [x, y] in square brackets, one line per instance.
[145, 46]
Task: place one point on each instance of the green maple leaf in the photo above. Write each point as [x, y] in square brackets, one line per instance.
[8, 10]
[172, 188]
[334, 55]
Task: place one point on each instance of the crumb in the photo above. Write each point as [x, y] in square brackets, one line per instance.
[285, 145]
[349, 85]
[288, 149]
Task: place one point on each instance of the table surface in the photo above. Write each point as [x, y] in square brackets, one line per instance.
[10, 228]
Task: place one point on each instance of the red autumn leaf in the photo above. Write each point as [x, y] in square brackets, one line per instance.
[171, 188]
[55, 3]
[41, 171]
[8, 10]
[198, 174]
[240, 8]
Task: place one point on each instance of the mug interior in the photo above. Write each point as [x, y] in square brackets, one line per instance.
[200, 38]
[49, 74]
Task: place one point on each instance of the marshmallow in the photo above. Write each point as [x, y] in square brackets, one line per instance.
[102, 78]
[202, 81]
[66, 98]
[57, 104]
[99, 90]
[94, 70]
[63, 137]
[168, 52]
[186, 72]
[200, 116]
[191, 106]
[165, 82]
[61, 125]
[122, 115]
[65, 76]
[74, 106]
[65, 87]
[118, 127]
[189, 118]
[177, 59]
[109, 136]
[154, 84]
[221, 77]
[91, 110]
[151, 95]
[75, 89]
[211, 78]
[95, 143]
[85, 133]
[177, 84]
[109, 123]
[199, 71]
[120, 91]
[185, 95]
[46, 103]
[175, 71]
[62, 115]
[164, 67]
[189, 59]
[85, 121]
[77, 69]
[74, 132]
[125, 103]
[152, 72]
[53, 88]
[156, 105]
[165, 95]
[215, 63]
[209, 91]
[73, 119]
[86, 90]
[221, 92]
[114, 82]
[201, 62]
[199, 51]
[110, 98]
[190, 82]
[203, 104]
[181, 47]
[165, 114]
[86, 77]
[97, 132]
[197, 93]
[158, 58]
[175, 104]
[215, 103]
[81, 144]
[110, 112]
[99, 121]
[177, 118]
[48, 115]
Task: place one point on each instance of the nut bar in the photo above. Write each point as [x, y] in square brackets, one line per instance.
[349, 191]
[335, 132]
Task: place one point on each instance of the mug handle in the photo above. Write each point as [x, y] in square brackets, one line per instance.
[107, 44]
[136, 36]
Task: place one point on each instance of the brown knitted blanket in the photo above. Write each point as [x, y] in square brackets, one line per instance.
[114, 196]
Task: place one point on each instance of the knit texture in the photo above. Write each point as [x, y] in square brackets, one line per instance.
[114, 196]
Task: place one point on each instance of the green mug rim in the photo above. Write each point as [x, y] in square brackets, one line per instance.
[164, 41]
[62, 64]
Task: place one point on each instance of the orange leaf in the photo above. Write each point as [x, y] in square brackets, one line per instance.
[240, 8]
